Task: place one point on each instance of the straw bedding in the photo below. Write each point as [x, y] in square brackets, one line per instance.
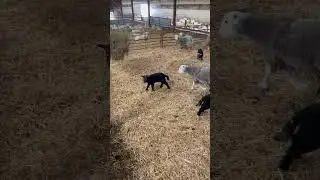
[165, 138]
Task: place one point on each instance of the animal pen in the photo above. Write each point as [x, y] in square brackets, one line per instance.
[163, 137]
[162, 39]
[159, 38]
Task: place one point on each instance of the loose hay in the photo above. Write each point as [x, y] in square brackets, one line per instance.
[247, 120]
[50, 74]
[160, 126]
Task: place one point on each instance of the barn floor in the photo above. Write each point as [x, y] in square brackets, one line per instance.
[246, 119]
[160, 128]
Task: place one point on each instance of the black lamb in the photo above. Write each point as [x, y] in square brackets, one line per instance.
[200, 54]
[156, 77]
[304, 131]
[204, 104]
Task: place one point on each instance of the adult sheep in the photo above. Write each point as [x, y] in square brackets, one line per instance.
[199, 74]
[290, 44]
[144, 36]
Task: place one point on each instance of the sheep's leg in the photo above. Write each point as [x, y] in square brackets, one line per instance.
[161, 84]
[288, 158]
[265, 80]
[165, 83]
[202, 109]
[152, 86]
[200, 102]
[193, 84]
[147, 87]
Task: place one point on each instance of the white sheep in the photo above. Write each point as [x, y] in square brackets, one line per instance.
[176, 36]
[293, 43]
[179, 24]
[144, 36]
[204, 28]
[122, 26]
[199, 74]
[136, 31]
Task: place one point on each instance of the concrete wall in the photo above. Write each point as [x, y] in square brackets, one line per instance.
[136, 9]
[164, 2]
[187, 6]
[200, 15]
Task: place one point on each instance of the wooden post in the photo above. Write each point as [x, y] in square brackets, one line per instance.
[105, 105]
[106, 48]
[145, 43]
[149, 20]
[132, 10]
[121, 10]
[174, 13]
[161, 38]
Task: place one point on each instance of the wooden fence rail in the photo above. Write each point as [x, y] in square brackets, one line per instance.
[160, 39]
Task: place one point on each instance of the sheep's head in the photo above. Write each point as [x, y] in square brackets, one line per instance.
[231, 23]
[182, 68]
[145, 77]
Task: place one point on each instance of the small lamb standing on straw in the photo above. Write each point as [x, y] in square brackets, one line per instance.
[303, 133]
[199, 74]
[204, 104]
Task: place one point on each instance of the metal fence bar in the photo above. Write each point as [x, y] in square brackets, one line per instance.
[155, 41]
[157, 21]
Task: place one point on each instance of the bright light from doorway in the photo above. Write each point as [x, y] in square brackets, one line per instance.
[112, 16]
[144, 10]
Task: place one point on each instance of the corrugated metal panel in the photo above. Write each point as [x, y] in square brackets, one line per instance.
[120, 21]
[159, 22]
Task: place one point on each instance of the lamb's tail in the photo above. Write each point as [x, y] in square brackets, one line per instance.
[167, 77]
